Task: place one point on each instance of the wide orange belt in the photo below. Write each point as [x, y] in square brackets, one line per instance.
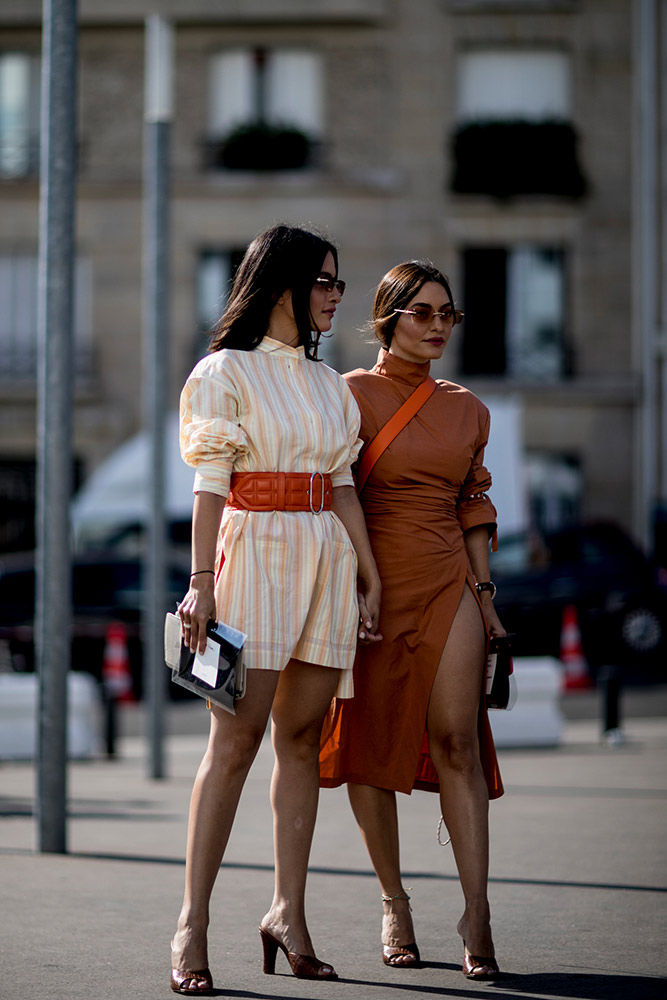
[281, 491]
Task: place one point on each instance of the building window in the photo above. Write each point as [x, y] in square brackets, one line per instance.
[514, 301]
[501, 85]
[17, 499]
[265, 109]
[555, 490]
[514, 135]
[19, 114]
[18, 318]
[215, 272]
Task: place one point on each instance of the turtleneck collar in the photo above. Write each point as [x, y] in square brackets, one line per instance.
[408, 372]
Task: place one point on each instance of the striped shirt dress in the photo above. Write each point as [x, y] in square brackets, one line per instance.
[288, 578]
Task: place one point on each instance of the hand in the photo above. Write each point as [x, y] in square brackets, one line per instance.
[196, 610]
[493, 622]
[369, 611]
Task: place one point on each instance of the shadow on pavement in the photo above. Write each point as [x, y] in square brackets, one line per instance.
[583, 986]
[103, 809]
[575, 986]
[356, 873]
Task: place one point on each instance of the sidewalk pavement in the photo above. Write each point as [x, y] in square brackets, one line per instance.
[578, 881]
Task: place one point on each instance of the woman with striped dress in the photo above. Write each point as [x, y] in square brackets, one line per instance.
[279, 551]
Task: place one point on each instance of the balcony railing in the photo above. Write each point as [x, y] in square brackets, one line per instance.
[261, 147]
[506, 159]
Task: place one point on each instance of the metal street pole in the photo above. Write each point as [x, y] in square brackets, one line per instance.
[662, 274]
[54, 422]
[646, 256]
[158, 113]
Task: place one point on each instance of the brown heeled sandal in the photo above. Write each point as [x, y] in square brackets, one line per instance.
[476, 967]
[404, 956]
[302, 966]
[178, 979]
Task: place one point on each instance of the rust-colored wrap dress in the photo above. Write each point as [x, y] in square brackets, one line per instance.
[426, 489]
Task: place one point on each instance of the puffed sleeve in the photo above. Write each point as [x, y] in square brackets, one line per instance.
[342, 476]
[474, 507]
[211, 435]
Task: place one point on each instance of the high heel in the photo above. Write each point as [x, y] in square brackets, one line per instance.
[477, 967]
[178, 979]
[302, 966]
[404, 956]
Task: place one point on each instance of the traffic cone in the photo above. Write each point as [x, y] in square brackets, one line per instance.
[575, 670]
[116, 675]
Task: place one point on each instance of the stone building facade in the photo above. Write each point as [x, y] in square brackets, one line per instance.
[380, 89]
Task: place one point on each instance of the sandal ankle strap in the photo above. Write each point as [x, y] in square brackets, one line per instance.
[399, 895]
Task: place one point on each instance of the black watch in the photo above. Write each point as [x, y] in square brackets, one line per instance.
[487, 585]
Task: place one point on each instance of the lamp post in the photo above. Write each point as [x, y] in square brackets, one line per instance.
[649, 239]
[158, 113]
[54, 421]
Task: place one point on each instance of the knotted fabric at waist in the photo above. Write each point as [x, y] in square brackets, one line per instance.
[281, 491]
[405, 504]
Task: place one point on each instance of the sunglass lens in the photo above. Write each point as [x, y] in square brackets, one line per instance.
[422, 315]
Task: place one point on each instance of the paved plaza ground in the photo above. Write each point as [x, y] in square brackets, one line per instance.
[578, 878]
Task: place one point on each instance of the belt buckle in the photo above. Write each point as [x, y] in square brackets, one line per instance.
[310, 492]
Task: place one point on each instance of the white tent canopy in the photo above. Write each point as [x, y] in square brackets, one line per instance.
[504, 457]
[116, 494]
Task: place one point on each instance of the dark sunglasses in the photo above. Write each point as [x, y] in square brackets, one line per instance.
[328, 283]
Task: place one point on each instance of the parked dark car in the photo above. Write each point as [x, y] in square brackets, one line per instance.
[620, 600]
[106, 588]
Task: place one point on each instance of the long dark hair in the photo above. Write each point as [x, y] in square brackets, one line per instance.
[281, 258]
[396, 289]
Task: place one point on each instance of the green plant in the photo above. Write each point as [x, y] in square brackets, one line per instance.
[260, 146]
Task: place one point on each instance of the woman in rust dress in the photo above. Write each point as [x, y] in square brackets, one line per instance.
[420, 689]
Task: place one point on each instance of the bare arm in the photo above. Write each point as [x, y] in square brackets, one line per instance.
[477, 546]
[198, 605]
[346, 506]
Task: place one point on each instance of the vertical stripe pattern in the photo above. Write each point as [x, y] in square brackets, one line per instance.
[289, 578]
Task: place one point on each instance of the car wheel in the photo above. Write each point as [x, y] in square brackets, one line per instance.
[641, 630]
[643, 633]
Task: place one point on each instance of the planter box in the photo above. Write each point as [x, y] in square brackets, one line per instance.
[536, 720]
[18, 716]
[263, 148]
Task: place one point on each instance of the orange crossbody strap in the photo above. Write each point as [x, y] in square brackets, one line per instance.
[393, 428]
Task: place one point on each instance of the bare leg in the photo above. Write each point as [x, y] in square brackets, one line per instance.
[233, 744]
[302, 699]
[375, 812]
[452, 730]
